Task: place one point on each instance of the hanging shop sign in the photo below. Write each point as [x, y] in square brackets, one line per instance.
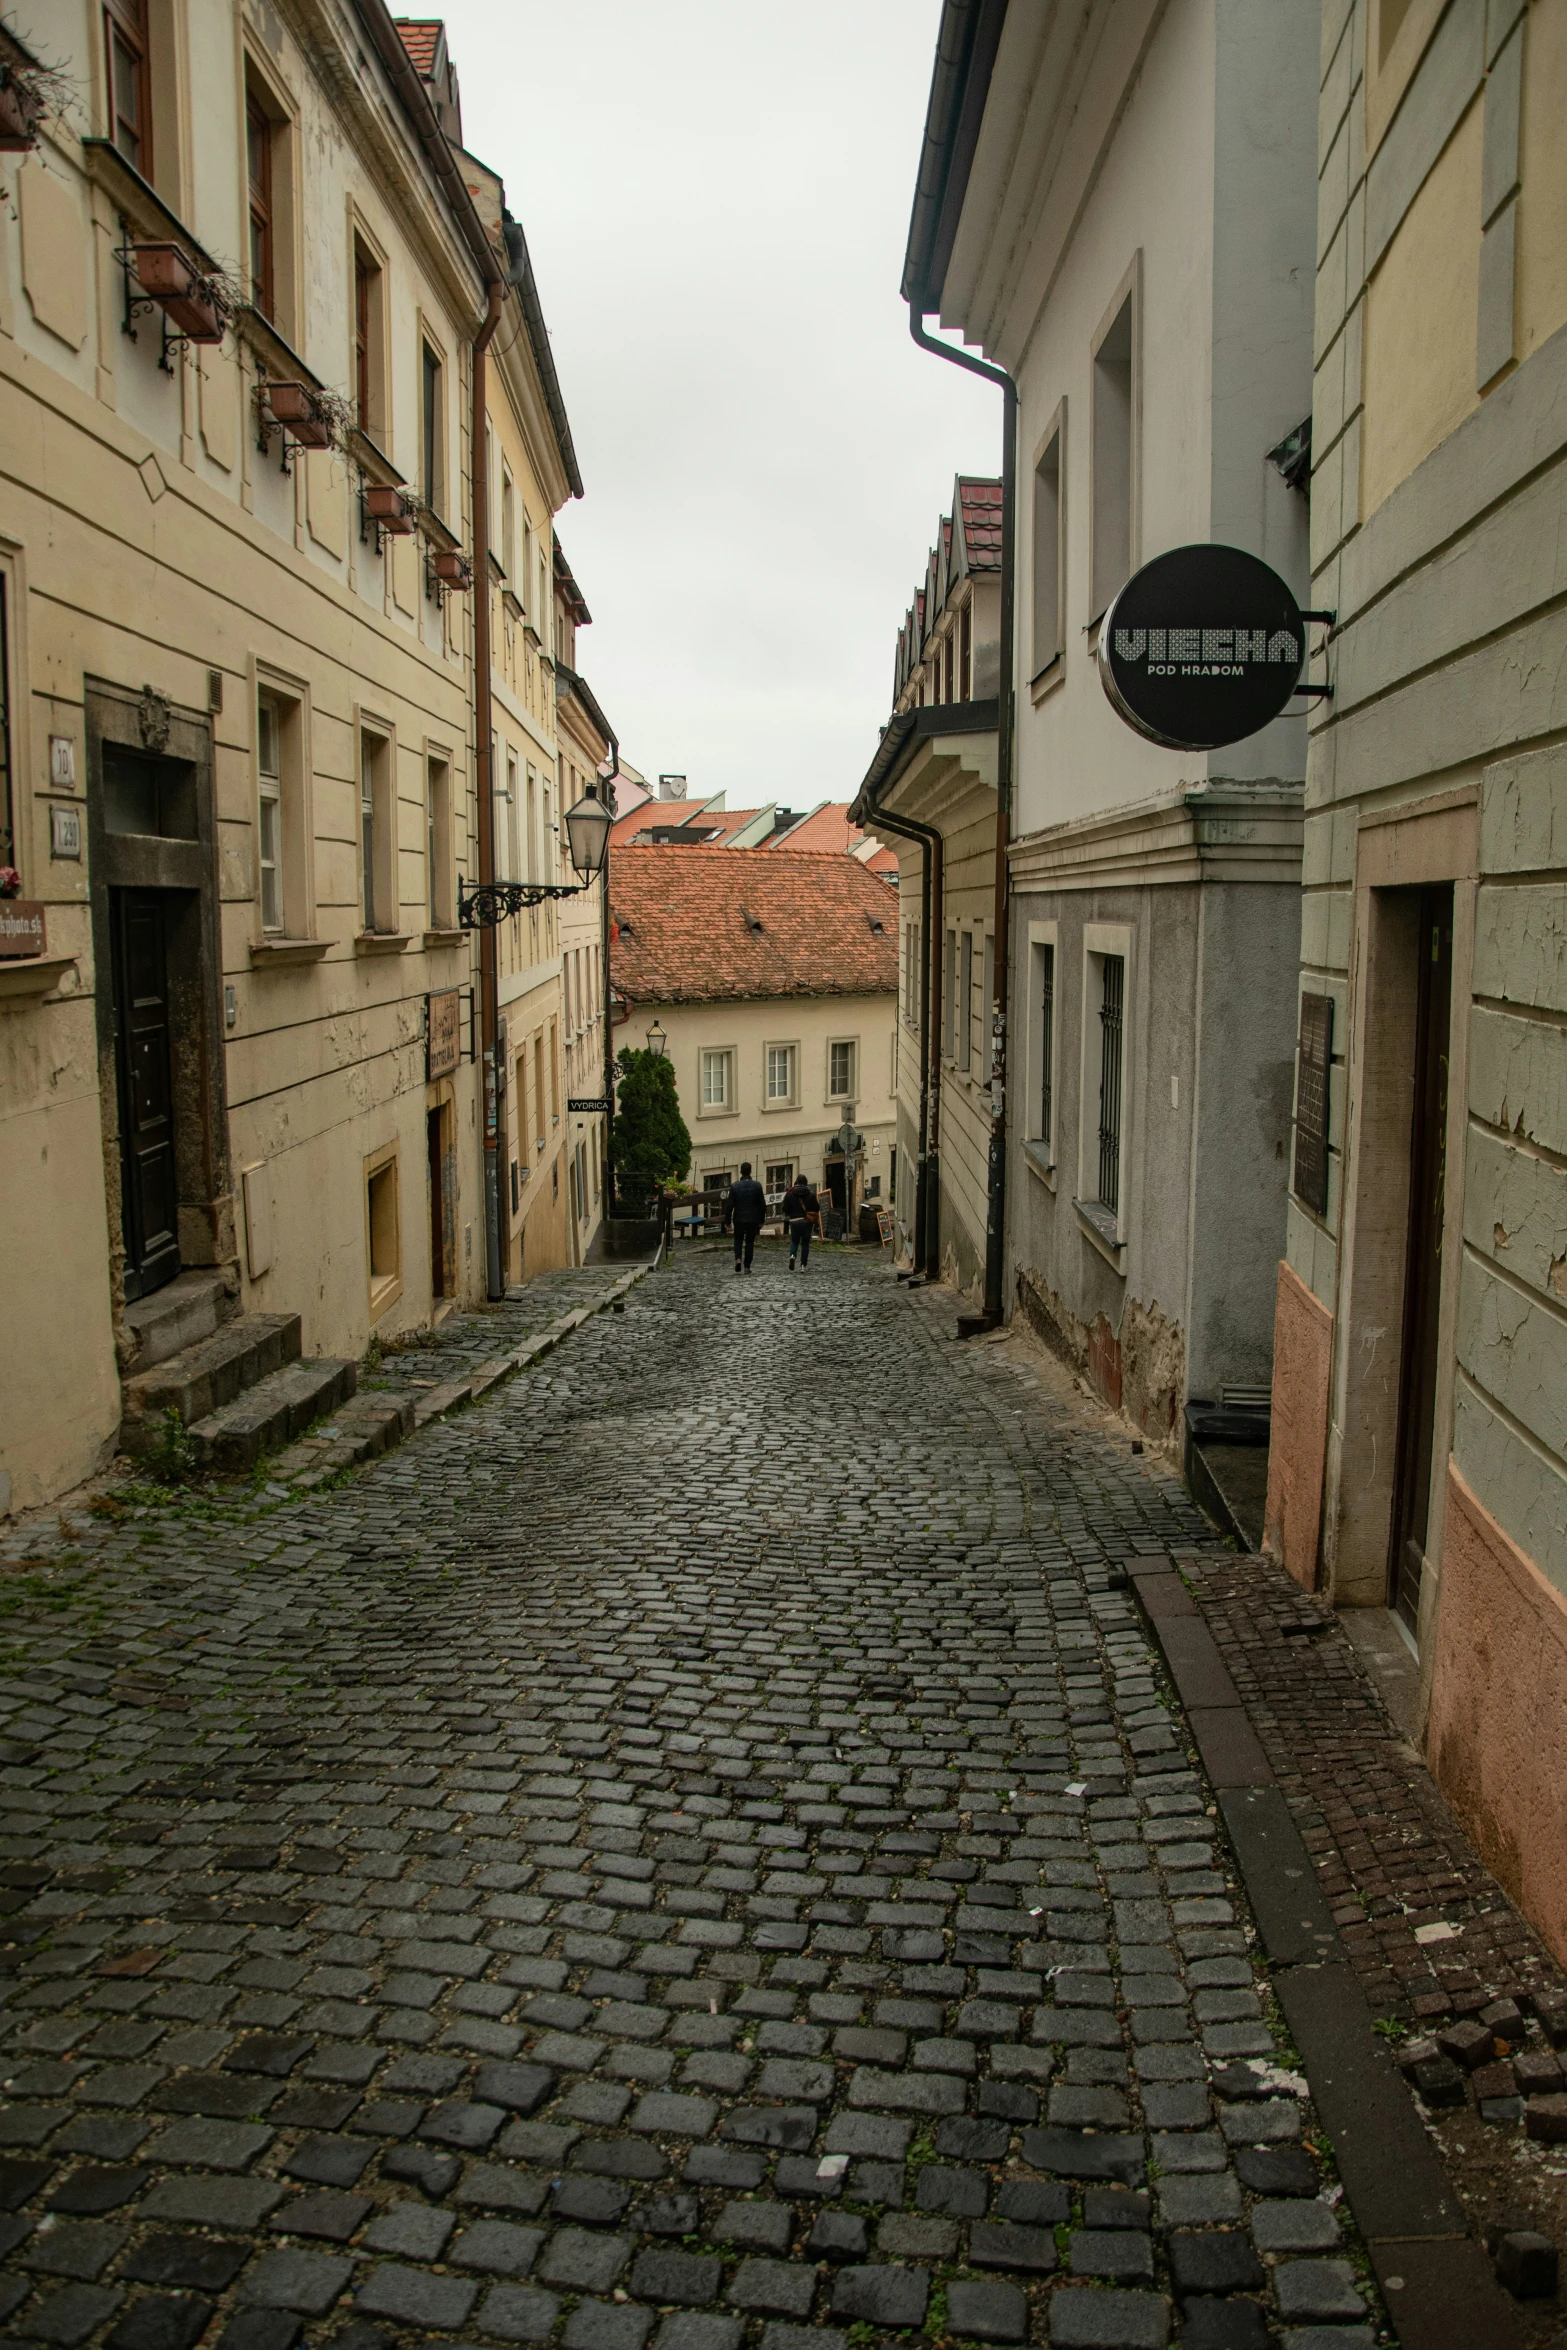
[1203, 646]
[443, 1034]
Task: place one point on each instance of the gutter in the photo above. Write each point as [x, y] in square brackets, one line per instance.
[966, 44]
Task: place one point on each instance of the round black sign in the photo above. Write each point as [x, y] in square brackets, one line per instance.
[1202, 646]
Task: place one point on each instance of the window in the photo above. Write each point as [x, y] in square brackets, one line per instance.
[987, 1000]
[369, 341]
[1047, 554]
[547, 841]
[432, 430]
[438, 848]
[966, 653]
[966, 1002]
[780, 1074]
[582, 1182]
[1044, 956]
[130, 87]
[949, 1006]
[532, 873]
[269, 834]
[514, 842]
[948, 656]
[383, 1230]
[777, 1176]
[717, 1179]
[554, 1076]
[258, 159]
[378, 869]
[717, 1080]
[1111, 1012]
[538, 1090]
[1113, 516]
[8, 842]
[840, 1070]
[509, 527]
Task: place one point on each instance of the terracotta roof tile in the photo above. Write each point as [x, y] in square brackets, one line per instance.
[687, 927]
[421, 37]
[981, 504]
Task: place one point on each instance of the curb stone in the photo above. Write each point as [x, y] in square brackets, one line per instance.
[1435, 2279]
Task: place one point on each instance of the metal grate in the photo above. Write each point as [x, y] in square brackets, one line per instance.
[1047, 1040]
[1110, 1008]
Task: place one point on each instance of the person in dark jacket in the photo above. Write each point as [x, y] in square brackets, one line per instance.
[799, 1206]
[745, 1206]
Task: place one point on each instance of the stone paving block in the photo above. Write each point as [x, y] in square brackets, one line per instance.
[893, 2297]
[604, 2325]
[1084, 2319]
[1322, 2290]
[1303, 2225]
[68, 2316]
[773, 2287]
[496, 2248]
[261, 2329]
[1003, 2244]
[1208, 2323]
[161, 2321]
[81, 2250]
[414, 2296]
[987, 2312]
[767, 2226]
[513, 2313]
[410, 2231]
[167, 2258]
[583, 2263]
[306, 2281]
[212, 2203]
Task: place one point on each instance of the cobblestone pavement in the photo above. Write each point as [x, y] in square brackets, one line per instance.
[694, 1849]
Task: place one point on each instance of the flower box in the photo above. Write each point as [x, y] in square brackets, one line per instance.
[295, 407]
[167, 276]
[450, 568]
[391, 509]
[20, 107]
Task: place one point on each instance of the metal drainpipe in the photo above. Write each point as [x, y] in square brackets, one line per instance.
[489, 970]
[607, 783]
[927, 1217]
[996, 1189]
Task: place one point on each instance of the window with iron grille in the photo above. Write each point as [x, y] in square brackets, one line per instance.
[1047, 1040]
[1111, 1008]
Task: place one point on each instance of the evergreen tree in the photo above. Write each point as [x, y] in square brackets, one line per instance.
[650, 1143]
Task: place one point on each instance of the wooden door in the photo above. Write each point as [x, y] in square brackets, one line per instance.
[436, 1156]
[149, 1188]
[1423, 1258]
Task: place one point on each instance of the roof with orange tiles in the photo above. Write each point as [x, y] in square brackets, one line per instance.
[686, 927]
[981, 509]
[421, 37]
[827, 830]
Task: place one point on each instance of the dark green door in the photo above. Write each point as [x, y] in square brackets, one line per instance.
[149, 1191]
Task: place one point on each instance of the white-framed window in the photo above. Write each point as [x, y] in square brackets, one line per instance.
[1113, 430]
[782, 1062]
[1043, 1028]
[514, 820]
[842, 1054]
[1049, 547]
[1105, 1091]
[718, 1077]
[269, 832]
[377, 845]
[777, 1175]
[438, 840]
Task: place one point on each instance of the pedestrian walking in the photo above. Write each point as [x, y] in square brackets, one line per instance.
[745, 1206]
[799, 1206]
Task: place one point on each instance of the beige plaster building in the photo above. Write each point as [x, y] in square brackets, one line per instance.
[588, 755]
[775, 980]
[1419, 1458]
[237, 702]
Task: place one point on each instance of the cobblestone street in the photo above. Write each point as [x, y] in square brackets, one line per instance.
[692, 1848]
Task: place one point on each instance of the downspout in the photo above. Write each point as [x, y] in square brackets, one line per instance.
[996, 1188]
[489, 968]
[927, 1214]
[608, 784]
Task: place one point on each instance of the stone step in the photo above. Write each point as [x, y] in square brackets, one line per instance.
[201, 1379]
[371, 1425]
[180, 1314]
[272, 1412]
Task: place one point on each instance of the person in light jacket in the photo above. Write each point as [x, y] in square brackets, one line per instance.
[799, 1206]
[745, 1206]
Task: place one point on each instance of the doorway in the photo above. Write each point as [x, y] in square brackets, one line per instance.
[143, 1062]
[1423, 1255]
[436, 1157]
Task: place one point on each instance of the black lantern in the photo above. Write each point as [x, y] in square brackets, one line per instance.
[657, 1039]
[587, 833]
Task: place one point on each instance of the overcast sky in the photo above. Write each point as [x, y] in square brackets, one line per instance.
[716, 197]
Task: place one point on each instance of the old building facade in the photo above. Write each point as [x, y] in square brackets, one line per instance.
[1131, 239]
[932, 790]
[240, 283]
[1419, 1459]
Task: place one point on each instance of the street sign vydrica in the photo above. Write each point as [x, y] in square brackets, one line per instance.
[1202, 646]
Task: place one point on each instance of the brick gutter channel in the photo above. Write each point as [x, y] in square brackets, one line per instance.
[1436, 2281]
[385, 1423]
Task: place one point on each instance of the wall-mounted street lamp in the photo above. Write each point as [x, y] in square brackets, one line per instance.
[657, 1039]
[587, 837]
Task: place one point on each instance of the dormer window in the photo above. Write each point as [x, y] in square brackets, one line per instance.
[752, 923]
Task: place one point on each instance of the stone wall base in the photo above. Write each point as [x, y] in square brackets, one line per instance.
[1298, 1442]
[1497, 1734]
